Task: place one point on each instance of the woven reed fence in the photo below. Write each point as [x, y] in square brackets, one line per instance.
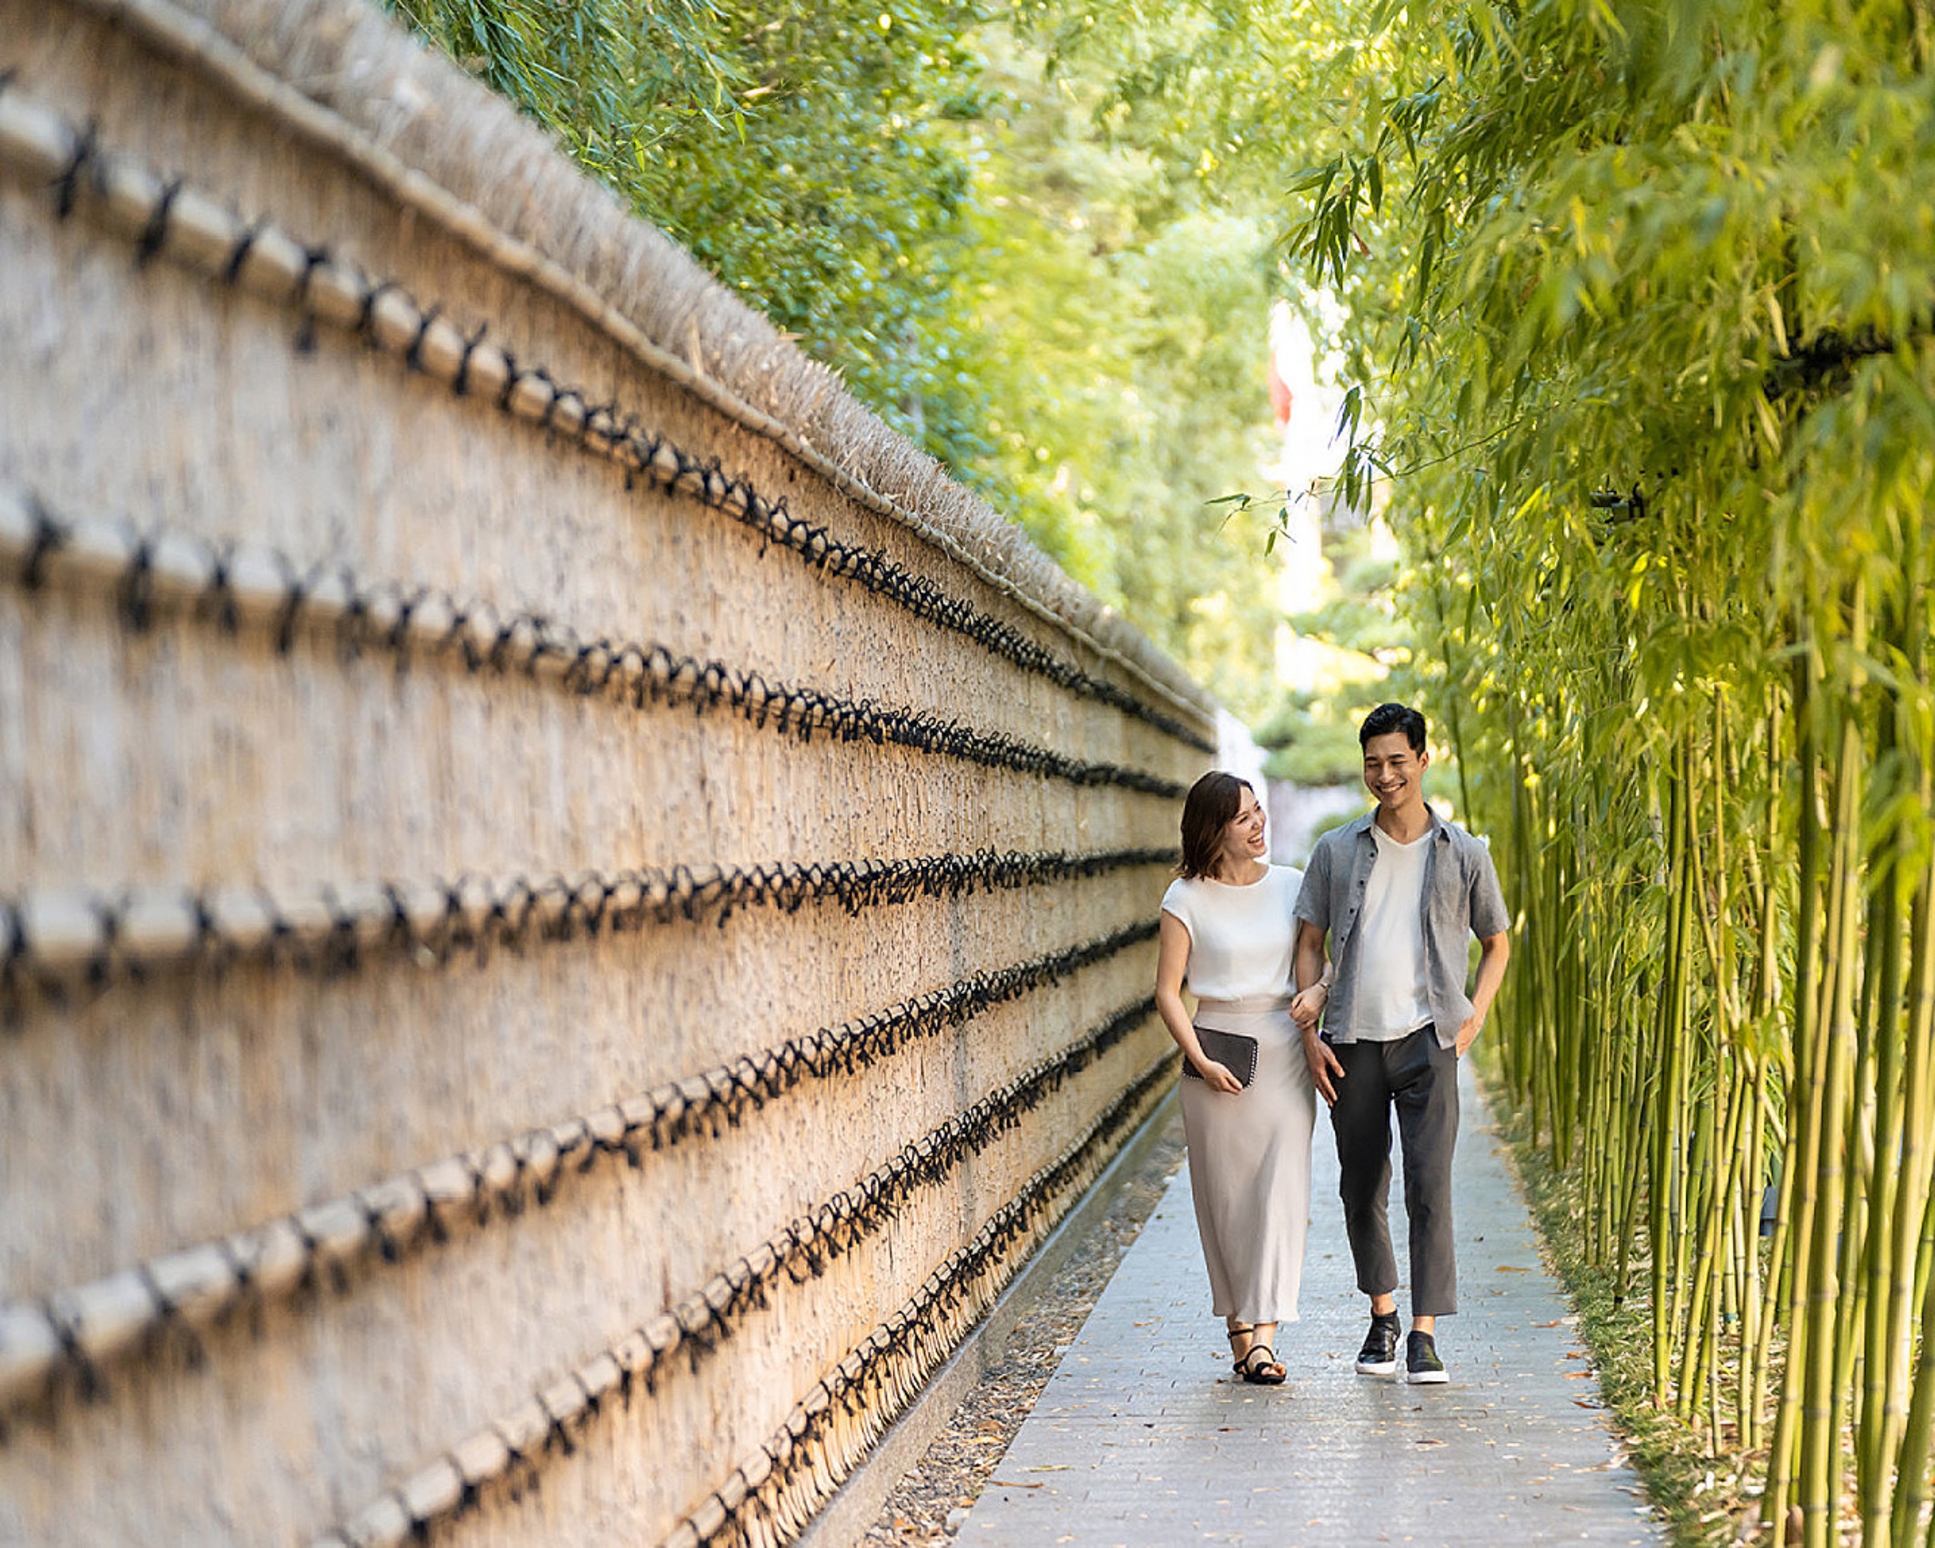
[570, 911]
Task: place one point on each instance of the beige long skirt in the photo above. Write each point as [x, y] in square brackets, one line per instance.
[1249, 1165]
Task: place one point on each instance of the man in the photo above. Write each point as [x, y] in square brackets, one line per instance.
[1399, 891]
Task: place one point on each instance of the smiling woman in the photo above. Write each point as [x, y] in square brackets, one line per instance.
[1227, 929]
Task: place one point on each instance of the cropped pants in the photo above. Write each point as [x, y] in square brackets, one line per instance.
[1419, 1079]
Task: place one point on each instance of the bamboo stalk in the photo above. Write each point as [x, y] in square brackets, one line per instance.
[1822, 1396]
[1701, 1356]
[1667, 1170]
[1702, 1344]
[1751, 1394]
[1911, 1483]
[1901, 1463]
[1910, 1433]
[1757, 1339]
[1874, 1432]
[1794, 1229]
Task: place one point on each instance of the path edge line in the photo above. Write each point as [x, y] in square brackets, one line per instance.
[843, 1521]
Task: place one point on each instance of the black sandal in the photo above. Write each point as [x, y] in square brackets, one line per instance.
[1239, 1330]
[1259, 1372]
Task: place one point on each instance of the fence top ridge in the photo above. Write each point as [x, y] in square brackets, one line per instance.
[345, 77]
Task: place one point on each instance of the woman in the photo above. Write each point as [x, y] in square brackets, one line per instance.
[1227, 928]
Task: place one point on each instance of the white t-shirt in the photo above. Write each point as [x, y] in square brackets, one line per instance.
[1393, 987]
[1241, 939]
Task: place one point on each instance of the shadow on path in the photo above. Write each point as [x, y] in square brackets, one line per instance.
[1143, 1438]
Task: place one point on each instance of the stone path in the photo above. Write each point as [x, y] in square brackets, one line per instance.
[1143, 1439]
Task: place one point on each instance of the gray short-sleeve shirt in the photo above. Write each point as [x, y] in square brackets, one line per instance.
[1461, 898]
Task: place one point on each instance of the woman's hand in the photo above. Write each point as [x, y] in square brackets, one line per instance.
[1218, 1078]
[1309, 1005]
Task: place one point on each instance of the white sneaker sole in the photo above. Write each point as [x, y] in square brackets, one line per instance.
[1389, 1368]
[1427, 1378]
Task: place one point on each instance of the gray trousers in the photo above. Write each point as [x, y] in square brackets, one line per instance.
[1420, 1079]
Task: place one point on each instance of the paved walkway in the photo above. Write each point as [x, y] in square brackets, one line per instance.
[1142, 1439]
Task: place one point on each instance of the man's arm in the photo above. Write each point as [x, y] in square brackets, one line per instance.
[1325, 1070]
[1494, 951]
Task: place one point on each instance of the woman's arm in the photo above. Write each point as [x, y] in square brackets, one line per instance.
[1172, 961]
[1325, 1070]
[1309, 967]
[1312, 975]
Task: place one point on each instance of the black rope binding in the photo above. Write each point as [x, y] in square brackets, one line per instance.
[390, 617]
[854, 1389]
[421, 1213]
[475, 914]
[606, 431]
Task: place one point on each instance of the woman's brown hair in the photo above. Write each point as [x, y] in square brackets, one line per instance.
[1210, 807]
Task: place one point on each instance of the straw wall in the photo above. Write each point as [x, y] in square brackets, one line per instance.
[571, 910]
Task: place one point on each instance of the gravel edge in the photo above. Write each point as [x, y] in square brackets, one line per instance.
[933, 1496]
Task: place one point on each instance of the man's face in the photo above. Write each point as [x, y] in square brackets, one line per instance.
[1392, 772]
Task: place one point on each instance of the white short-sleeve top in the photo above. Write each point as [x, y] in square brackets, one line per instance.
[1242, 940]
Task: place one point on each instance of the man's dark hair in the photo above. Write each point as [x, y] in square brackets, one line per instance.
[1210, 807]
[1387, 718]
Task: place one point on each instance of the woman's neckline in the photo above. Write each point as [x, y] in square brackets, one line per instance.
[1240, 886]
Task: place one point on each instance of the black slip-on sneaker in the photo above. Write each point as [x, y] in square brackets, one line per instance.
[1422, 1367]
[1378, 1357]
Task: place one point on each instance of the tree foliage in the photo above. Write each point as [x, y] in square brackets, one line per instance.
[801, 154]
[1312, 733]
[903, 188]
[1126, 336]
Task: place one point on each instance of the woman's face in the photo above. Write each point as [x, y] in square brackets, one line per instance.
[1243, 838]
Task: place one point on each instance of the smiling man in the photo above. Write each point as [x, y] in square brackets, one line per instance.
[1399, 892]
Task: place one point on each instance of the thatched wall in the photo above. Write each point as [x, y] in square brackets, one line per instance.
[571, 910]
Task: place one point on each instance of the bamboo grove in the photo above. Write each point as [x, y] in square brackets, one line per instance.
[1642, 296]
